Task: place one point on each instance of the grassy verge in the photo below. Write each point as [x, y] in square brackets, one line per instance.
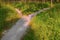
[45, 26]
[8, 17]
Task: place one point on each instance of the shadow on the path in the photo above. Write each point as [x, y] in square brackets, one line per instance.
[29, 35]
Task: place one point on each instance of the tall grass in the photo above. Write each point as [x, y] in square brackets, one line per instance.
[45, 26]
[7, 17]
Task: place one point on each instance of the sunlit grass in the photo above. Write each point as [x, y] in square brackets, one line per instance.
[45, 26]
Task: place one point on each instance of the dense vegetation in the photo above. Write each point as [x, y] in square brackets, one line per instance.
[30, 7]
[44, 26]
[7, 17]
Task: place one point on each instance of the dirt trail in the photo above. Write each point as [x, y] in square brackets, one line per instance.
[19, 29]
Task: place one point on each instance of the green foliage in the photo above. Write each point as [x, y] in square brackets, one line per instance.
[45, 26]
[7, 17]
[30, 7]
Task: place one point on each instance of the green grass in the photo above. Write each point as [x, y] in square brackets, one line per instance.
[30, 7]
[7, 17]
[45, 26]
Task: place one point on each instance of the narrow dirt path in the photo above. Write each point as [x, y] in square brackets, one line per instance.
[19, 29]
